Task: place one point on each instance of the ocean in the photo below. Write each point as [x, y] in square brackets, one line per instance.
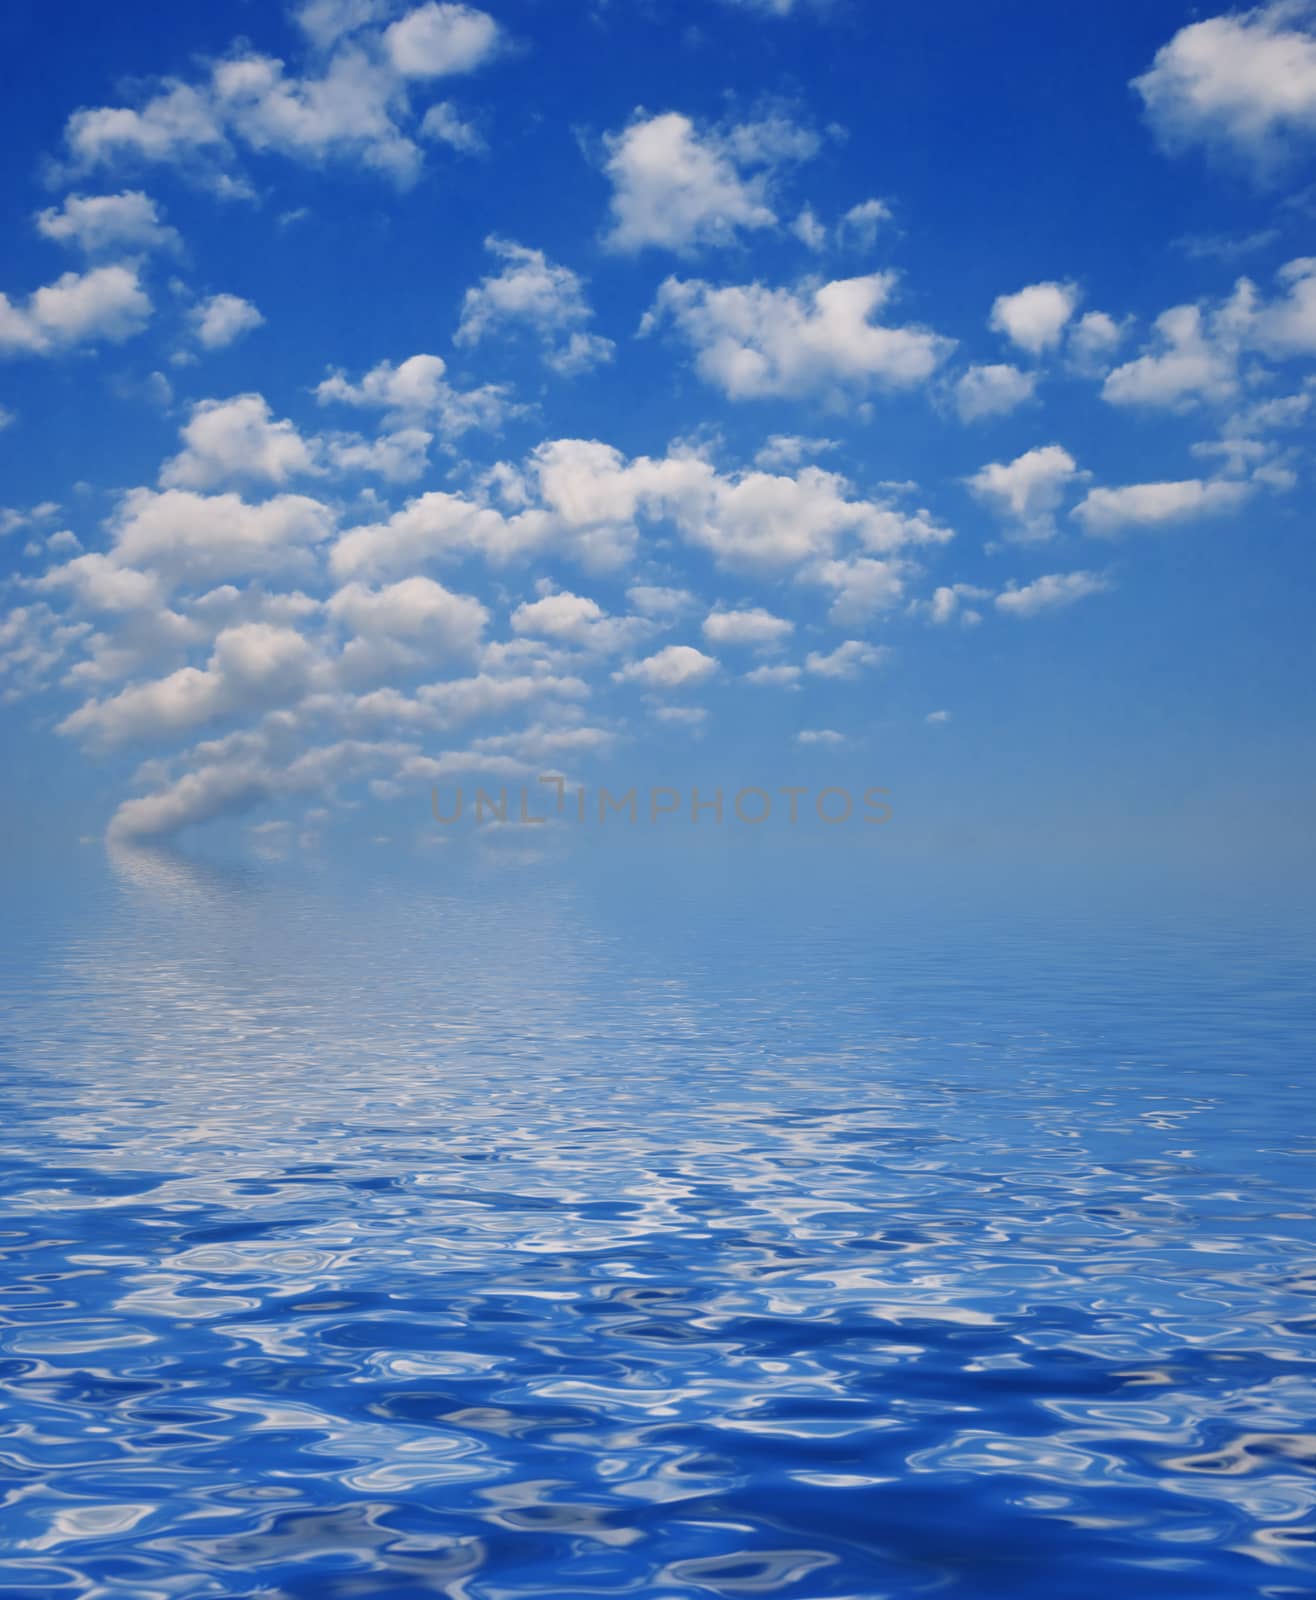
[515, 1226]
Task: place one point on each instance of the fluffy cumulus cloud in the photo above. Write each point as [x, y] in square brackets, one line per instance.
[1028, 491]
[1193, 357]
[1035, 318]
[1244, 82]
[104, 305]
[441, 40]
[415, 611]
[678, 666]
[576, 620]
[752, 626]
[417, 392]
[235, 440]
[251, 667]
[222, 318]
[541, 297]
[352, 103]
[753, 342]
[678, 187]
[1108, 512]
[184, 538]
[107, 222]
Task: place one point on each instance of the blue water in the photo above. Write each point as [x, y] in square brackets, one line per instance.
[528, 1232]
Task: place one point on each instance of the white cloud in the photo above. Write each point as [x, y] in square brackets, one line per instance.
[675, 667]
[753, 626]
[237, 440]
[444, 124]
[538, 294]
[326, 21]
[192, 538]
[1107, 512]
[1093, 339]
[434, 527]
[400, 456]
[763, 520]
[992, 391]
[100, 222]
[819, 736]
[586, 499]
[848, 660]
[1028, 491]
[1034, 318]
[808, 230]
[860, 224]
[937, 718]
[789, 449]
[98, 583]
[1247, 446]
[573, 619]
[437, 41]
[217, 322]
[862, 586]
[413, 608]
[1194, 358]
[352, 105]
[678, 188]
[1287, 327]
[1198, 351]
[751, 341]
[1244, 82]
[1050, 593]
[106, 303]
[780, 677]
[175, 124]
[417, 390]
[233, 775]
[558, 616]
[253, 666]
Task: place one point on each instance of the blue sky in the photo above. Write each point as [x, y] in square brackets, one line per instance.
[724, 393]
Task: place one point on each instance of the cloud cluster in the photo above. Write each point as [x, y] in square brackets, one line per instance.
[271, 618]
[262, 650]
[352, 102]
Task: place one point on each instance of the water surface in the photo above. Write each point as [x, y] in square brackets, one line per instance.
[521, 1233]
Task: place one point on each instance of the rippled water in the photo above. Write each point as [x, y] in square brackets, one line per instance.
[523, 1235]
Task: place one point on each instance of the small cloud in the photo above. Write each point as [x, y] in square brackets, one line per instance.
[217, 322]
[783, 677]
[848, 660]
[673, 668]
